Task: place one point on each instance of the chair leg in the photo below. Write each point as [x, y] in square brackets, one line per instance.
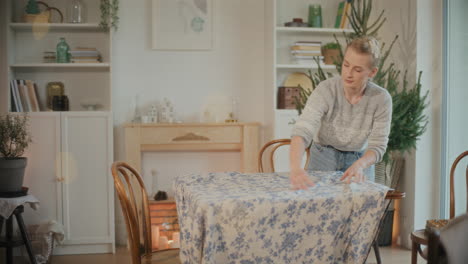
[1, 224]
[377, 252]
[25, 236]
[9, 238]
[414, 253]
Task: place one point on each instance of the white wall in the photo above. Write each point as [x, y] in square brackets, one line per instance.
[234, 67]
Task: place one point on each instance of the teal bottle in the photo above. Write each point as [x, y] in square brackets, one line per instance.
[315, 16]
[63, 51]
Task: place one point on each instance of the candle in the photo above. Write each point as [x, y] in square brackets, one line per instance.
[155, 236]
[163, 242]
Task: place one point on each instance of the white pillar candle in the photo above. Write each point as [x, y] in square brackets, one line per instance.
[163, 242]
[155, 236]
[176, 236]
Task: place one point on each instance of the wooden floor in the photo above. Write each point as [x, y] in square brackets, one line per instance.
[122, 256]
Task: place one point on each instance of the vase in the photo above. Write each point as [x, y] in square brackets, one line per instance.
[63, 51]
[315, 16]
[76, 11]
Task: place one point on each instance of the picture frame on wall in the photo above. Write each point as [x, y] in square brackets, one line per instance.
[182, 24]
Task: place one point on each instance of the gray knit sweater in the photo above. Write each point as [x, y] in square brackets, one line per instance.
[329, 119]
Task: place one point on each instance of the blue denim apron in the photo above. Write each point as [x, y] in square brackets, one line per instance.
[327, 158]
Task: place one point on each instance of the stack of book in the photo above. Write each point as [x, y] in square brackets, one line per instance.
[304, 52]
[85, 55]
[24, 96]
[50, 56]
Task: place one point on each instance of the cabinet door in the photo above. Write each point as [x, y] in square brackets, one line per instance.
[43, 171]
[87, 187]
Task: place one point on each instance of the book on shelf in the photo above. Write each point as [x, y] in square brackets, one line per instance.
[305, 48]
[346, 10]
[339, 14]
[306, 53]
[308, 43]
[24, 96]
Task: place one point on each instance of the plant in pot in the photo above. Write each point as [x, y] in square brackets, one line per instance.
[34, 15]
[14, 139]
[331, 52]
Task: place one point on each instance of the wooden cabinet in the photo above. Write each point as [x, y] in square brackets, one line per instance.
[69, 172]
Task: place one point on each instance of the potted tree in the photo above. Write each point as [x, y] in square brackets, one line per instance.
[331, 52]
[14, 139]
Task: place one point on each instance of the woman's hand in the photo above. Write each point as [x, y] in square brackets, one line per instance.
[355, 173]
[300, 180]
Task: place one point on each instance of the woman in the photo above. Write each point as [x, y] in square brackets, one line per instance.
[347, 119]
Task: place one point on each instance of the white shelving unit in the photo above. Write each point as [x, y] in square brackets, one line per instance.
[69, 159]
[281, 64]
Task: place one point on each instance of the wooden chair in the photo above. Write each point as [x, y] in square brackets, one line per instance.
[272, 146]
[419, 237]
[135, 207]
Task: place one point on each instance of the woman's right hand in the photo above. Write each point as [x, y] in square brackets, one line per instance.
[300, 180]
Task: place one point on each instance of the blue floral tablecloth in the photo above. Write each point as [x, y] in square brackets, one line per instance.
[256, 218]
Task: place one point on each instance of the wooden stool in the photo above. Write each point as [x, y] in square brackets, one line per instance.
[418, 238]
[9, 243]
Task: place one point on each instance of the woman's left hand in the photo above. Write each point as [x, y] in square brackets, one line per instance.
[355, 173]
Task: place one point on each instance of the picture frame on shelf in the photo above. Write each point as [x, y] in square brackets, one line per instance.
[182, 25]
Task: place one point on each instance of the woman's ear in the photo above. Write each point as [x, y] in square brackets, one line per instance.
[373, 72]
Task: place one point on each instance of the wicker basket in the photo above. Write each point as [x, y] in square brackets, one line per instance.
[435, 224]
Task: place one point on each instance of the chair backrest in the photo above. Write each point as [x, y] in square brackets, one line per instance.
[135, 206]
[270, 148]
[452, 183]
[449, 244]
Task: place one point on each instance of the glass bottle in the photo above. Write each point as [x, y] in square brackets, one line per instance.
[63, 51]
[76, 11]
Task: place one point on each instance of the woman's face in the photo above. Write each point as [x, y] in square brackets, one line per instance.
[356, 69]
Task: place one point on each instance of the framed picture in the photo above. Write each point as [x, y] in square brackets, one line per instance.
[182, 24]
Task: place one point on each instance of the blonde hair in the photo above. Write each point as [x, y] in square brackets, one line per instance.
[366, 45]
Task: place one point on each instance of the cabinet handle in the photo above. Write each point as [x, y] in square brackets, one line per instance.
[60, 179]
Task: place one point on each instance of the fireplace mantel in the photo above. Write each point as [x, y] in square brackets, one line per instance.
[241, 137]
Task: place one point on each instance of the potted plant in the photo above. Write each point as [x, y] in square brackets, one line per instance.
[14, 139]
[331, 52]
[34, 15]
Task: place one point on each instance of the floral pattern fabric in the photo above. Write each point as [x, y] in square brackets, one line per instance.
[241, 218]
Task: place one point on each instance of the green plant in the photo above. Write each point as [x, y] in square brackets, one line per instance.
[32, 7]
[14, 135]
[109, 14]
[331, 45]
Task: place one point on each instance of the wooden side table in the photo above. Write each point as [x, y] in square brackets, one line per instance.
[9, 243]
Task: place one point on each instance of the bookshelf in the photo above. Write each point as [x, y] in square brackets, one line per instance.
[281, 63]
[72, 151]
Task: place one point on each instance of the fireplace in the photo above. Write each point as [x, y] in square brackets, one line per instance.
[164, 224]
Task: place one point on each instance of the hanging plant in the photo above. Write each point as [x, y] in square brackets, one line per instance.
[109, 14]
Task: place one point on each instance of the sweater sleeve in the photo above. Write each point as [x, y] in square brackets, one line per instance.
[378, 138]
[308, 124]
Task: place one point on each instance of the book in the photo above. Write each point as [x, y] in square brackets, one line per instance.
[305, 48]
[344, 20]
[22, 95]
[308, 43]
[13, 104]
[339, 14]
[32, 96]
[306, 52]
[37, 97]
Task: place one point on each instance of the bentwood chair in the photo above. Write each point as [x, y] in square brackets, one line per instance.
[269, 150]
[448, 245]
[135, 207]
[419, 237]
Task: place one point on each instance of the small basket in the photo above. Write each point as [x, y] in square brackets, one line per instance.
[42, 244]
[435, 224]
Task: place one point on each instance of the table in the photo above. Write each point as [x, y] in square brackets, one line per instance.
[255, 218]
[10, 207]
